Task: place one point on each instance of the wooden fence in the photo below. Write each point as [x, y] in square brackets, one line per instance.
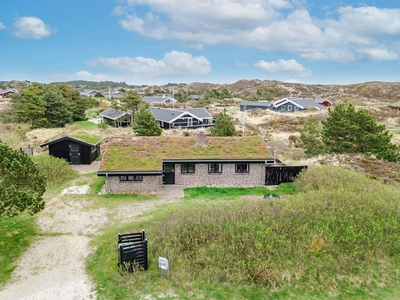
[275, 175]
[26, 150]
[132, 251]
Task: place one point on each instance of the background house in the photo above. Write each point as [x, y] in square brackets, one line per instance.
[88, 93]
[78, 148]
[115, 117]
[395, 107]
[182, 117]
[162, 99]
[7, 93]
[145, 164]
[250, 105]
[292, 104]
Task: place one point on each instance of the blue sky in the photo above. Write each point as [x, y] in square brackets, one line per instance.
[218, 41]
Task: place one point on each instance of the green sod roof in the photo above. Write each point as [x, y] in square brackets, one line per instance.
[85, 137]
[147, 153]
[395, 105]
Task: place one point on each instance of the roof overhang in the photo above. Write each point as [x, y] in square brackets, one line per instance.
[71, 139]
[115, 173]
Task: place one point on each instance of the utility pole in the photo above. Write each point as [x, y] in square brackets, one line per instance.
[244, 119]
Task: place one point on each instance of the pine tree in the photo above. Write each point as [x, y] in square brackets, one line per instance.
[349, 131]
[145, 123]
[223, 126]
[310, 137]
[131, 103]
[29, 105]
[57, 112]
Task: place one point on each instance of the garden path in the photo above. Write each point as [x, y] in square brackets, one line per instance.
[54, 266]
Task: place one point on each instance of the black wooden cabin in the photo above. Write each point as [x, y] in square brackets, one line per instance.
[74, 151]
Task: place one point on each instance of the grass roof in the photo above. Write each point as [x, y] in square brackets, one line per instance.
[147, 153]
[395, 105]
[85, 137]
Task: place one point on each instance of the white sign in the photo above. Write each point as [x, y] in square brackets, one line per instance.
[163, 263]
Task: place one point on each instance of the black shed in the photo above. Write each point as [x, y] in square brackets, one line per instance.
[74, 150]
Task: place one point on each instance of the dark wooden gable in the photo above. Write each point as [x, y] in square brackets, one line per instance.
[73, 150]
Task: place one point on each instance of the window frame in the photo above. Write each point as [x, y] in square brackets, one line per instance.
[188, 170]
[125, 178]
[219, 170]
[239, 168]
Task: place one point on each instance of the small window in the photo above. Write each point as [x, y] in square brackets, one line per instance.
[188, 168]
[283, 107]
[131, 178]
[242, 168]
[296, 108]
[289, 108]
[135, 178]
[215, 168]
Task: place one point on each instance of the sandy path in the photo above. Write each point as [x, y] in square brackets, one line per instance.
[54, 266]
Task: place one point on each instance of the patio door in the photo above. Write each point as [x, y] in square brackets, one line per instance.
[168, 173]
[75, 154]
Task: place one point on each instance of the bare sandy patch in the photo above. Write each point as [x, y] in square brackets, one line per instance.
[83, 189]
[53, 268]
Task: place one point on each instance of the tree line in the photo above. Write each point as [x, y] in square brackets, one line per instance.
[50, 105]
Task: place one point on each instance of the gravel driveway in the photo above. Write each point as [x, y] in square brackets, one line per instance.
[54, 266]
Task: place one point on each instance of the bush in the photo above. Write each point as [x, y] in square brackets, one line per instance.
[56, 169]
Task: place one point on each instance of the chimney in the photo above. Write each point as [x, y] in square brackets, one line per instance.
[201, 137]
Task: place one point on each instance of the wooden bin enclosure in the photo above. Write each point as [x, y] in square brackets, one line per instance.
[132, 251]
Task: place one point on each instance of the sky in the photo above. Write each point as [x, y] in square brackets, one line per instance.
[156, 42]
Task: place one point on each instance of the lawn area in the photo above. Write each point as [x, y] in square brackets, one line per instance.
[16, 235]
[86, 124]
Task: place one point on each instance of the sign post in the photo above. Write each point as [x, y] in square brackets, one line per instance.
[163, 265]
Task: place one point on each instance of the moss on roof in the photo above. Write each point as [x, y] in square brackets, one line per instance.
[85, 137]
[395, 105]
[147, 153]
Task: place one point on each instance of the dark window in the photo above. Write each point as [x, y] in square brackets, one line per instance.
[187, 168]
[215, 168]
[242, 168]
[74, 147]
[131, 178]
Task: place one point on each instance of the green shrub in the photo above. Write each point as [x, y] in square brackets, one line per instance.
[56, 169]
[102, 126]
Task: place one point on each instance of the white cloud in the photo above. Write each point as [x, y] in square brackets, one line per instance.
[281, 66]
[2, 26]
[378, 54]
[240, 63]
[269, 25]
[174, 64]
[119, 11]
[31, 28]
[84, 75]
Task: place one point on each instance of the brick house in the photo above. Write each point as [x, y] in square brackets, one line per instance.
[145, 164]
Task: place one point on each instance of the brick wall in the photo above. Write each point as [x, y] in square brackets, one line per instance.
[150, 184]
[228, 177]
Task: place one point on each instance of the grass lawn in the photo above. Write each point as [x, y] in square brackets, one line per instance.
[16, 235]
[86, 124]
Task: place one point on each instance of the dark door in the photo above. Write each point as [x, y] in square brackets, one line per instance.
[75, 154]
[168, 173]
